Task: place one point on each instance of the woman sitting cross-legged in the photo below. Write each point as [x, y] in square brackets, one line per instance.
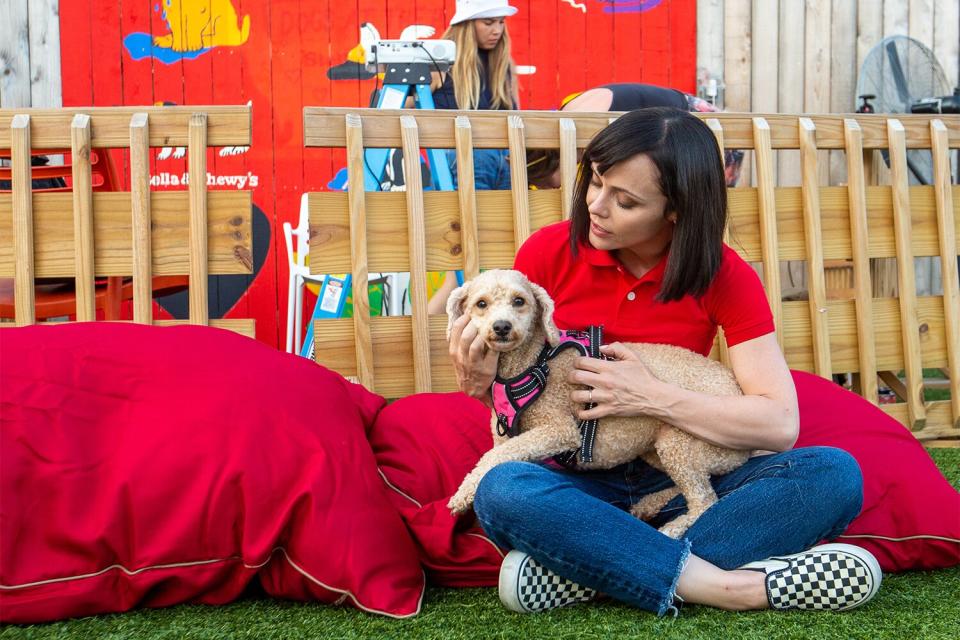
[643, 256]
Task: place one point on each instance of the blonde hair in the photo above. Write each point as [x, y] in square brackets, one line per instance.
[501, 72]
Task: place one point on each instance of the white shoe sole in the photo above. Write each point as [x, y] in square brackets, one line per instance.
[526, 586]
[509, 578]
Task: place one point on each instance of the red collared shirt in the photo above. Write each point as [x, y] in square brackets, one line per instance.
[593, 287]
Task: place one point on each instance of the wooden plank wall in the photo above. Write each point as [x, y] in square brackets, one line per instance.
[788, 56]
[30, 54]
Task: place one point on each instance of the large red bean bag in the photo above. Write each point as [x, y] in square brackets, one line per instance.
[911, 515]
[146, 466]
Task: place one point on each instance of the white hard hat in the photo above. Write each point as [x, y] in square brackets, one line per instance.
[476, 9]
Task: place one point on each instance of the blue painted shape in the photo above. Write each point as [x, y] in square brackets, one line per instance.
[629, 6]
[339, 181]
[140, 45]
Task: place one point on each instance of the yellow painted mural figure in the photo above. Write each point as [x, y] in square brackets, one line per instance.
[202, 24]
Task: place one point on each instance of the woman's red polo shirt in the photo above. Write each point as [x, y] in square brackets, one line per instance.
[593, 287]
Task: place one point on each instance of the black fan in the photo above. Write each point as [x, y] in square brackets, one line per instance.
[900, 75]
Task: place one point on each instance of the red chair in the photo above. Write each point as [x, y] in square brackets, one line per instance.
[56, 297]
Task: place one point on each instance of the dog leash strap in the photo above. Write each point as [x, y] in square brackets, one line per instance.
[588, 433]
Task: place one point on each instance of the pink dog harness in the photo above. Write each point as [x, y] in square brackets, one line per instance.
[511, 397]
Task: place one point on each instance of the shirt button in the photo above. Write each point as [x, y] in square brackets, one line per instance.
[631, 296]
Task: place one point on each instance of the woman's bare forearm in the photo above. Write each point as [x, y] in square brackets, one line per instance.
[736, 422]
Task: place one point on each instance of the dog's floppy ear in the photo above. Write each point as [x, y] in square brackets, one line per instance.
[455, 305]
[545, 302]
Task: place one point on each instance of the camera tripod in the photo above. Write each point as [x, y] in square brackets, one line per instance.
[400, 82]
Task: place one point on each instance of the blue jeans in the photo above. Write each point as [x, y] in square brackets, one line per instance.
[577, 524]
[491, 169]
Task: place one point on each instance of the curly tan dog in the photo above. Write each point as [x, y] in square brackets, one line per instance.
[515, 318]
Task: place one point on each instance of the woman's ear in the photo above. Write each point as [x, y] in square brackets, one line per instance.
[545, 302]
[455, 305]
[672, 217]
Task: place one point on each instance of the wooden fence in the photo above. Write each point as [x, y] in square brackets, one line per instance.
[420, 231]
[81, 235]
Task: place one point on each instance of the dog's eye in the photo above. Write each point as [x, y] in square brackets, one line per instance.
[481, 304]
[519, 302]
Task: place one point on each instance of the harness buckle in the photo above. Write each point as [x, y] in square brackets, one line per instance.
[503, 427]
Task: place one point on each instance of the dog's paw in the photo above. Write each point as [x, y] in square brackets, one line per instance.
[462, 500]
[460, 503]
[651, 504]
[676, 527]
[642, 511]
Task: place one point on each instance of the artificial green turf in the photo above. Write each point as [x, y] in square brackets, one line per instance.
[911, 606]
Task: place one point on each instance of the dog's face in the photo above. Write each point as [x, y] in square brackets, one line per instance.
[505, 307]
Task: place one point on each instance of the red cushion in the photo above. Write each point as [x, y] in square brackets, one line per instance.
[150, 466]
[425, 444]
[911, 515]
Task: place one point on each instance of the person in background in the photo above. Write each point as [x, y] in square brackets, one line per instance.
[543, 165]
[483, 77]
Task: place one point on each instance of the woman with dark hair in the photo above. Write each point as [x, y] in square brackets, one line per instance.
[643, 256]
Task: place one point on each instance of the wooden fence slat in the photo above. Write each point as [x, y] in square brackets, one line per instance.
[363, 348]
[140, 218]
[518, 176]
[717, 130]
[737, 54]
[418, 251]
[910, 329]
[863, 292]
[110, 126]
[470, 241]
[229, 234]
[197, 161]
[45, 68]
[768, 222]
[15, 55]
[83, 218]
[338, 347]
[765, 52]
[323, 128]
[817, 295]
[22, 183]
[948, 259]
[568, 164]
[394, 368]
[243, 326]
[388, 241]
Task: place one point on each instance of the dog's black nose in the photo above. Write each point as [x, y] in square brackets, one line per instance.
[502, 328]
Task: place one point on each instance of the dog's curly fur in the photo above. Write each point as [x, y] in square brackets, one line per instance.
[550, 426]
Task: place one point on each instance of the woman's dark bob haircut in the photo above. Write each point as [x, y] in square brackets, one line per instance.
[688, 160]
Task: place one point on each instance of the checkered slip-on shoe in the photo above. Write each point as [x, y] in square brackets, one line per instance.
[830, 577]
[526, 586]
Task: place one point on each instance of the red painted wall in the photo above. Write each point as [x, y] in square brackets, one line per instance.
[280, 64]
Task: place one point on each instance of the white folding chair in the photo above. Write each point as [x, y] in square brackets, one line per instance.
[299, 273]
[298, 248]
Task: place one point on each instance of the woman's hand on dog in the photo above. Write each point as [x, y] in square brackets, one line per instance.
[623, 386]
[474, 364]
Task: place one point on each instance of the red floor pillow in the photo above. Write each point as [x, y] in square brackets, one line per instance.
[147, 466]
[425, 444]
[911, 515]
